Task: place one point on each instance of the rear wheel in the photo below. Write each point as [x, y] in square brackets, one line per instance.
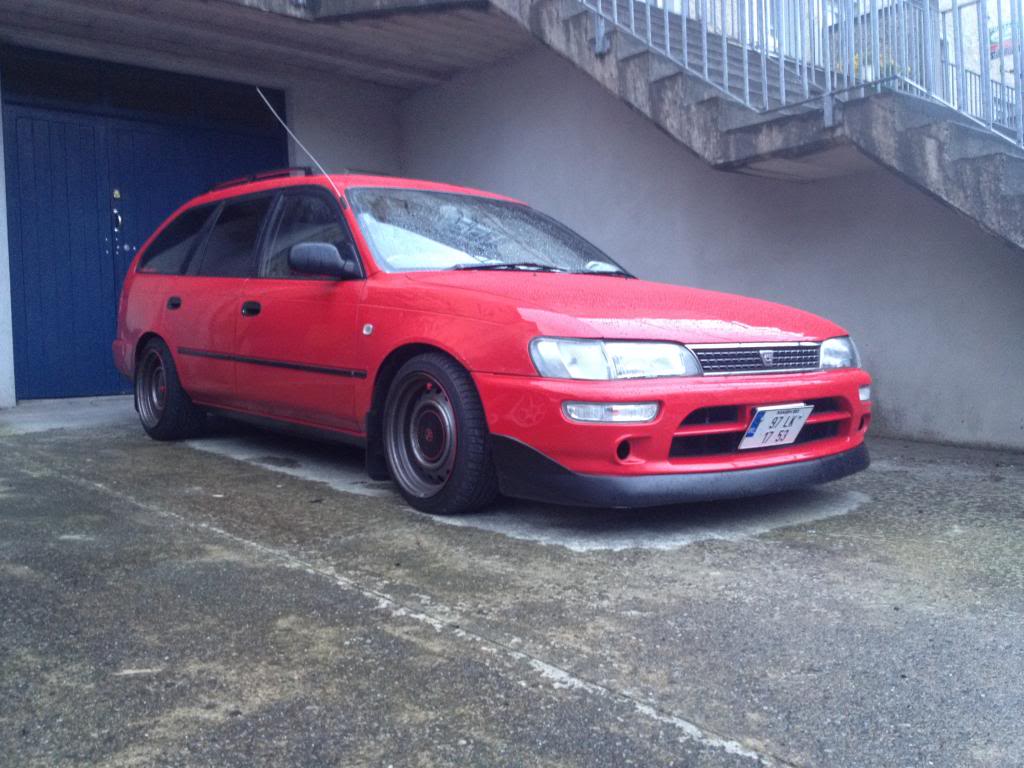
[165, 410]
[436, 439]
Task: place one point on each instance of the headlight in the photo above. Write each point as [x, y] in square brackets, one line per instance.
[839, 352]
[601, 360]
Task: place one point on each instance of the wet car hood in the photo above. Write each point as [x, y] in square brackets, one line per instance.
[601, 306]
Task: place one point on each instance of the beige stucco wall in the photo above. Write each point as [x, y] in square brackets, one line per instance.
[935, 304]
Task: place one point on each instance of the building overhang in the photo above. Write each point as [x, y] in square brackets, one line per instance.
[401, 44]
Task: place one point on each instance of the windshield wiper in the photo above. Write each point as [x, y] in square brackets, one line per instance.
[608, 273]
[530, 265]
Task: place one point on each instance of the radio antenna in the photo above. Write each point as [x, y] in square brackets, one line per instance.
[296, 140]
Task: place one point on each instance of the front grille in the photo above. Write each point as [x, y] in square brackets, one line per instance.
[717, 430]
[757, 359]
[825, 405]
[688, 446]
[722, 414]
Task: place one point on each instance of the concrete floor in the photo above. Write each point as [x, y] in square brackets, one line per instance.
[252, 600]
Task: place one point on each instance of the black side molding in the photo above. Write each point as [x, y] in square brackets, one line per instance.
[351, 373]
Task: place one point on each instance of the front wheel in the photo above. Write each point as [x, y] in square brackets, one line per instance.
[436, 439]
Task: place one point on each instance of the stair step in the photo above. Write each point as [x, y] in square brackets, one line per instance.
[779, 115]
[568, 9]
[1000, 172]
[960, 141]
[627, 47]
[694, 59]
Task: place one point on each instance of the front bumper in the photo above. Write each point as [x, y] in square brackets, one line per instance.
[527, 474]
[680, 440]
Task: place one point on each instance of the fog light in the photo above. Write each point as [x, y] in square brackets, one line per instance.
[865, 393]
[611, 412]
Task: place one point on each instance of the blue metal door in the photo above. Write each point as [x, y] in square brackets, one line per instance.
[83, 192]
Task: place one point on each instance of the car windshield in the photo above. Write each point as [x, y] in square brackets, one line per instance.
[416, 230]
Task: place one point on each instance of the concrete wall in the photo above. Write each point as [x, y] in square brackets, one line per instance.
[936, 305]
[348, 125]
[6, 321]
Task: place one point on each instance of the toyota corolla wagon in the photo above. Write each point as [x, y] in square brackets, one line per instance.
[474, 347]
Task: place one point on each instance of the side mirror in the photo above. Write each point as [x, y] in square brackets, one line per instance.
[323, 259]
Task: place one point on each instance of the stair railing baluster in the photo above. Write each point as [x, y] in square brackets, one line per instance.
[763, 19]
[802, 28]
[1018, 55]
[851, 42]
[904, 32]
[958, 48]
[632, 17]
[983, 65]
[929, 62]
[684, 16]
[826, 53]
[876, 50]
[1002, 65]
[744, 41]
[725, 48]
[916, 61]
[668, 29]
[917, 25]
[813, 24]
[857, 36]
[894, 65]
[647, 17]
[780, 36]
[704, 35]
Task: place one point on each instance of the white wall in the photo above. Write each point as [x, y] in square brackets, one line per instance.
[936, 305]
[348, 125]
[6, 324]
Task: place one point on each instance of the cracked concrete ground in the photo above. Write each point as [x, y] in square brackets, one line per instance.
[216, 603]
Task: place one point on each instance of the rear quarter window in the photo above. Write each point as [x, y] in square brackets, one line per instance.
[169, 254]
[231, 246]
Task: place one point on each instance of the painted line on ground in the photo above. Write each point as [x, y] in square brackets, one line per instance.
[559, 677]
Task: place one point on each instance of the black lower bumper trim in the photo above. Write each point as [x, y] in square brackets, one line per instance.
[526, 473]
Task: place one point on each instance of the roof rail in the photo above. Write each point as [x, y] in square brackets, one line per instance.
[303, 170]
[368, 172]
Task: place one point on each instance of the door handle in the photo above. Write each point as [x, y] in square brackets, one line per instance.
[174, 302]
[251, 308]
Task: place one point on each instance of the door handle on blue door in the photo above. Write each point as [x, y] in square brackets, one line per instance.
[250, 308]
[174, 302]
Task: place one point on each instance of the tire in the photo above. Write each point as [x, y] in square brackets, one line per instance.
[436, 440]
[165, 410]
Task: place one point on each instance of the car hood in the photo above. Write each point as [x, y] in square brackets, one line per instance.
[601, 306]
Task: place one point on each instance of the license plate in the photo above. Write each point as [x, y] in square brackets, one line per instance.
[775, 425]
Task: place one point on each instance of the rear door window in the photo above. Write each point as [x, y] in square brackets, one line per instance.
[305, 217]
[169, 254]
[231, 246]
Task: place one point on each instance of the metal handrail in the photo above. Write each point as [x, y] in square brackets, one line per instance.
[777, 54]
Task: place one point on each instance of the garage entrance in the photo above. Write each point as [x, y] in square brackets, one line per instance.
[97, 155]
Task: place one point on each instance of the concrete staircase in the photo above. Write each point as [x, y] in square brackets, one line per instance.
[936, 148]
[724, 71]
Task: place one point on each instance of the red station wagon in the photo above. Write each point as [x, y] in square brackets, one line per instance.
[474, 347]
